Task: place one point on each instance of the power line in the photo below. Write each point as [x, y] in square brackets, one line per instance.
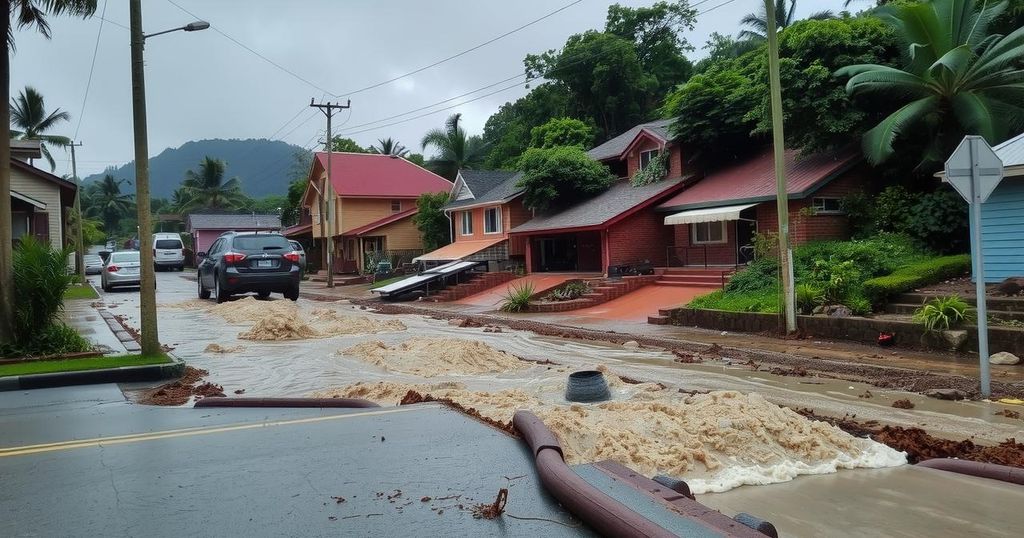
[467, 51]
[92, 68]
[246, 47]
[115, 23]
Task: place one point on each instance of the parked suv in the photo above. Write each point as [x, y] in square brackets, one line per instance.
[168, 251]
[243, 262]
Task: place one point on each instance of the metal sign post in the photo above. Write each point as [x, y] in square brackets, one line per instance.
[974, 170]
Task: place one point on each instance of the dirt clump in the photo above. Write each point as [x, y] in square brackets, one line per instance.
[331, 323]
[413, 397]
[209, 390]
[1008, 413]
[177, 392]
[274, 327]
[217, 348]
[430, 357]
[248, 309]
[903, 404]
[492, 510]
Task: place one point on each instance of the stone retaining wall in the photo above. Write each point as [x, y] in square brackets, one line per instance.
[866, 330]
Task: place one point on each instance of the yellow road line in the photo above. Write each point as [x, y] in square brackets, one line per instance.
[188, 432]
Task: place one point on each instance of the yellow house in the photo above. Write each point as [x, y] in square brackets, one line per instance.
[374, 201]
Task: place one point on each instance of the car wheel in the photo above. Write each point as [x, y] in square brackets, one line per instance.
[292, 294]
[203, 292]
[218, 293]
[263, 294]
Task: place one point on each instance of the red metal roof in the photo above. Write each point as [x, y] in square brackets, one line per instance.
[369, 175]
[395, 217]
[298, 229]
[754, 179]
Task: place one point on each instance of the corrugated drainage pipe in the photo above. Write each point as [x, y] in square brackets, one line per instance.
[286, 402]
[601, 512]
[994, 471]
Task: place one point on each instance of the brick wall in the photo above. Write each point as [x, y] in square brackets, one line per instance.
[641, 236]
[675, 157]
[690, 254]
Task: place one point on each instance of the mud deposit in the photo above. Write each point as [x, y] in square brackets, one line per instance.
[217, 348]
[716, 441]
[430, 357]
[920, 446]
[179, 392]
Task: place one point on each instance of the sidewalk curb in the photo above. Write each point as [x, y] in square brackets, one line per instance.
[122, 374]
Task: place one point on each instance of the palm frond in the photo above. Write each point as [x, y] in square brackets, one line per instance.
[878, 141]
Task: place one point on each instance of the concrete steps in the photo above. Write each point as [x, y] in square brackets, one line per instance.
[476, 284]
[908, 309]
[694, 278]
[1003, 304]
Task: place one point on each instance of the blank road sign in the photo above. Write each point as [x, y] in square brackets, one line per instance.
[959, 168]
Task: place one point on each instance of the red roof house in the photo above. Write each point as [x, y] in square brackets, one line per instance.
[374, 198]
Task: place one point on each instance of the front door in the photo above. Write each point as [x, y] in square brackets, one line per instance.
[745, 230]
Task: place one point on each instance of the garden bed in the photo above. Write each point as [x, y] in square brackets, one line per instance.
[78, 364]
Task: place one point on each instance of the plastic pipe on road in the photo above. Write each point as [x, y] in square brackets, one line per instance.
[286, 402]
[994, 471]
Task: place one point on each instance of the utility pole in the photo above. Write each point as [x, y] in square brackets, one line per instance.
[779, 143]
[147, 289]
[327, 225]
[80, 250]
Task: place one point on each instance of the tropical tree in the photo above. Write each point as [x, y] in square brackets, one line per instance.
[107, 202]
[387, 146]
[455, 149]
[959, 80]
[346, 145]
[28, 114]
[556, 176]
[758, 22]
[26, 14]
[206, 187]
[430, 220]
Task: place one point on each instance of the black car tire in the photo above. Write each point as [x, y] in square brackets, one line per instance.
[203, 292]
[263, 294]
[219, 294]
[292, 294]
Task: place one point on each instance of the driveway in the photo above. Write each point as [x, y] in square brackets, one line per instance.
[636, 306]
[491, 299]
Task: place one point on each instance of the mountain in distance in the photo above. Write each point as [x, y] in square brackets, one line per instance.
[262, 165]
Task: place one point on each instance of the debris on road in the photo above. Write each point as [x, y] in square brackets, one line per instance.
[430, 357]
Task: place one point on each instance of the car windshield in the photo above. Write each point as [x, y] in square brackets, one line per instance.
[296, 245]
[261, 242]
[125, 257]
[168, 243]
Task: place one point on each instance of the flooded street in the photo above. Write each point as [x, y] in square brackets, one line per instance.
[862, 502]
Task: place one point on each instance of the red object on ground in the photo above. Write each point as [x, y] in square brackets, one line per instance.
[886, 339]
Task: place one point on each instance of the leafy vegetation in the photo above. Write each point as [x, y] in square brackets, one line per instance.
[80, 291]
[206, 188]
[959, 78]
[73, 365]
[655, 171]
[944, 313]
[41, 280]
[936, 220]
[558, 175]
[574, 289]
[431, 221]
[517, 298]
[763, 300]
[562, 132]
[916, 275]
[31, 122]
[387, 146]
[455, 149]
[757, 23]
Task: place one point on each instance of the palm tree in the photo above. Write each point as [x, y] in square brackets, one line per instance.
[207, 188]
[455, 150]
[387, 146]
[26, 14]
[959, 80]
[758, 23]
[107, 202]
[28, 114]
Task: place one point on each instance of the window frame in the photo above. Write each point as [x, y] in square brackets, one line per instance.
[722, 226]
[497, 220]
[396, 202]
[467, 223]
[654, 153]
[823, 210]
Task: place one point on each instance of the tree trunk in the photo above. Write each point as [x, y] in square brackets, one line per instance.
[6, 222]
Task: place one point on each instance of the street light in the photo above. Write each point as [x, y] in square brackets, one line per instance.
[147, 291]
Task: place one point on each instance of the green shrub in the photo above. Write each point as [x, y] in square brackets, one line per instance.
[859, 304]
[40, 281]
[909, 277]
[517, 299]
[757, 301]
[807, 297]
[943, 313]
[573, 289]
[837, 278]
[760, 275]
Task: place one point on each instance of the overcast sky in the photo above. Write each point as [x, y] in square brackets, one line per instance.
[203, 85]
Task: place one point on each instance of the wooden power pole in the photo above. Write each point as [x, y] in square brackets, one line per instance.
[327, 224]
[80, 247]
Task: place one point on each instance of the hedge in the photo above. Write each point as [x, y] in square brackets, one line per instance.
[915, 276]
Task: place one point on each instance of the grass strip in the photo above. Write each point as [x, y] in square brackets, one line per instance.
[74, 365]
[83, 291]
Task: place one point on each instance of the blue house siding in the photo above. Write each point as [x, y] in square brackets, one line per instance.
[1002, 230]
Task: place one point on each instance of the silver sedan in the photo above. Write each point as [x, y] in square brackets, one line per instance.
[93, 264]
[121, 269]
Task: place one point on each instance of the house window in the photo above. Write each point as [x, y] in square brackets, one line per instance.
[396, 206]
[827, 206]
[467, 223]
[704, 233]
[647, 156]
[492, 220]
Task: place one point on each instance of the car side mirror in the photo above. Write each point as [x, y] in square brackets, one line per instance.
[200, 254]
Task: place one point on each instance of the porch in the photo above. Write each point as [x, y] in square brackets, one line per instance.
[713, 237]
[565, 252]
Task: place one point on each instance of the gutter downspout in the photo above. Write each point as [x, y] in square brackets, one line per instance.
[451, 227]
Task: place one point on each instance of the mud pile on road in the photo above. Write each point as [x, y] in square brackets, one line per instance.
[716, 441]
[431, 357]
[275, 327]
[249, 309]
[217, 348]
[180, 391]
[333, 323]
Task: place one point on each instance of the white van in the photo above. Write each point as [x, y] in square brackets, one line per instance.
[168, 251]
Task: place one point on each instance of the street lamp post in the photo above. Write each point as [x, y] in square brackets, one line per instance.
[147, 292]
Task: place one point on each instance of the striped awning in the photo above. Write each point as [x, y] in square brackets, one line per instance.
[711, 214]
